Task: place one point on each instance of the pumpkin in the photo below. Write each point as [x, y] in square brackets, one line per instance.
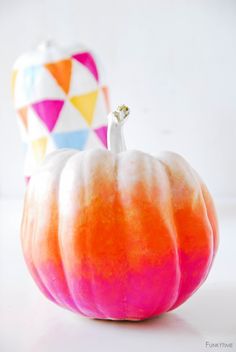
[61, 101]
[116, 234]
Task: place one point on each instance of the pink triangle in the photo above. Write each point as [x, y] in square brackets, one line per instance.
[48, 111]
[87, 60]
[27, 179]
[101, 132]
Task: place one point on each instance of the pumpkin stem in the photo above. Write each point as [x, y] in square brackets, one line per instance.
[115, 137]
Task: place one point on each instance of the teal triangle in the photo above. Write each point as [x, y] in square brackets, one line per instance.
[72, 140]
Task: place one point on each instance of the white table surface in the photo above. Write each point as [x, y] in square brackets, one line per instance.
[29, 322]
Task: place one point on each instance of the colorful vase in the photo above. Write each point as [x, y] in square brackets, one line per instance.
[61, 101]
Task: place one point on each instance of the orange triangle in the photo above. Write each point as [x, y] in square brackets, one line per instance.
[61, 71]
[106, 96]
[39, 148]
[23, 114]
[85, 104]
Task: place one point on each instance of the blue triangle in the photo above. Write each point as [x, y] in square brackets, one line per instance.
[73, 140]
[30, 76]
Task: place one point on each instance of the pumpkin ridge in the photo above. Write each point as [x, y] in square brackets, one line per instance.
[54, 205]
[89, 234]
[211, 236]
[208, 220]
[123, 210]
[83, 184]
[33, 269]
[176, 238]
[209, 204]
[59, 240]
[182, 297]
[135, 183]
[33, 240]
[212, 232]
[170, 225]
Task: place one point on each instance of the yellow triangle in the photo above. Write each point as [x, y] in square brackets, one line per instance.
[13, 81]
[85, 104]
[39, 148]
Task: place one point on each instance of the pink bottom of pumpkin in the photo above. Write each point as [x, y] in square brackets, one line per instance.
[130, 295]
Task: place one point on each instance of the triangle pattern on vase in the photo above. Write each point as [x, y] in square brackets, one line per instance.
[70, 119]
[86, 104]
[100, 112]
[23, 112]
[105, 91]
[48, 111]
[36, 127]
[13, 82]
[82, 80]
[30, 75]
[93, 141]
[61, 71]
[87, 60]
[72, 140]
[39, 147]
[101, 133]
[46, 87]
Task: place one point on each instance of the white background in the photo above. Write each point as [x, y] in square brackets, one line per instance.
[173, 62]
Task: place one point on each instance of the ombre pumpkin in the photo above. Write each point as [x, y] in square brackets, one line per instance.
[116, 234]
